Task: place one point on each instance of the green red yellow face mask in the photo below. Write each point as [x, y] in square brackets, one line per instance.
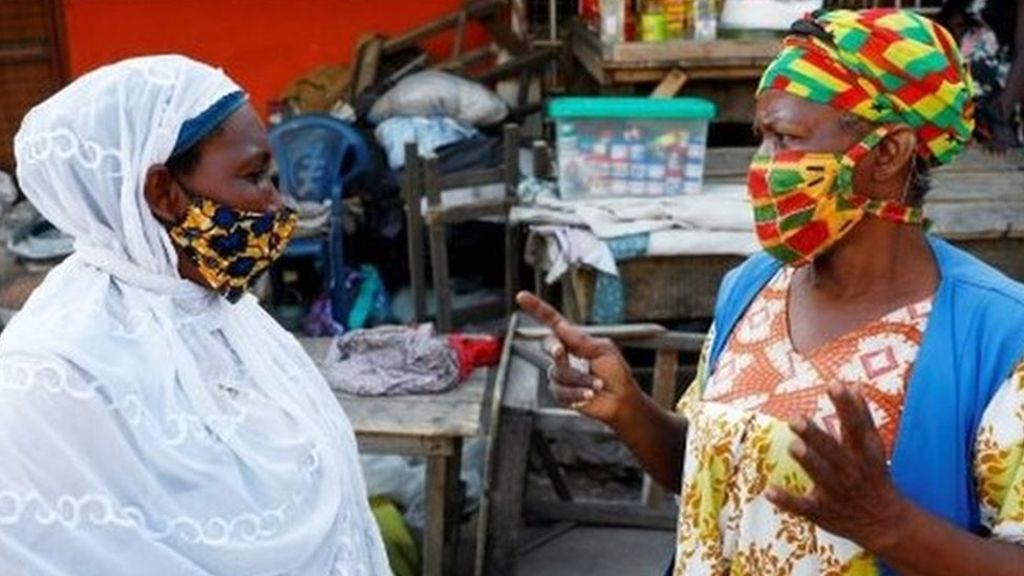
[804, 202]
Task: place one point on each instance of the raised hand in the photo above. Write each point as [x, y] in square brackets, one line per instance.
[605, 390]
[854, 495]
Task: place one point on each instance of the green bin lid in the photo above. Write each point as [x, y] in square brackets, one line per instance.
[632, 108]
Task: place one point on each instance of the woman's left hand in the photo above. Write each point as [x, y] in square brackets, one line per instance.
[854, 496]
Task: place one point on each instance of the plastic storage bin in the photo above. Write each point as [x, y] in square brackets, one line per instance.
[643, 147]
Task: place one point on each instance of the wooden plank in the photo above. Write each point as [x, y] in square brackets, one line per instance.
[566, 422]
[655, 73]
[542, 160]
[465, 212]
[367, 64]
[402, 444]
[550, 464]
[694, 55]
[691, 54]
[593, 513]
[476, 10]
[532, 354]
[672, 288]
[683, 53]
[411, 187]
[532, 60]
[453, 413]
[478, 313]
[976, 186]
[616, 332]
[467, 59]
[677, 341]
[438, 247]
[523, 383]
[513, 240]
[460, 35]
[491, 454]
[503, 34]
[471, 178]
[663, 392]
[589, 56]
[20, 53]
[452, 507]
[500, 546]
[439, 544]
[980, 220]
[671, 84]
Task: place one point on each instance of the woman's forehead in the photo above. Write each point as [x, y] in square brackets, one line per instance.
[777, 106]
[241, 134]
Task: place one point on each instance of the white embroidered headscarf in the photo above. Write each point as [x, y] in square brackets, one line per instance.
[147, 426]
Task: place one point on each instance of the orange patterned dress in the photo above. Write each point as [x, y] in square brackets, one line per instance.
[737, 440]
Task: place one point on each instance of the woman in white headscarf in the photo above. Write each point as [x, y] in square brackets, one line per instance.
[153, 418]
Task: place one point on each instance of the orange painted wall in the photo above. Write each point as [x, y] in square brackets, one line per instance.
[263, 44]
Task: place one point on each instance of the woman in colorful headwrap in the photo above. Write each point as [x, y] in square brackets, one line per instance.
[153, 418]
[991, 36]
[859, 406]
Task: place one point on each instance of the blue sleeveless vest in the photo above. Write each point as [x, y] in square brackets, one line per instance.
[973, 341]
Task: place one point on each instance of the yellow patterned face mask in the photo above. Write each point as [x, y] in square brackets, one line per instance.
[230, 247]
[804, 201]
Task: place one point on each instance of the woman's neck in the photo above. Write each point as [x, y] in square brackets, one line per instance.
[876, 258]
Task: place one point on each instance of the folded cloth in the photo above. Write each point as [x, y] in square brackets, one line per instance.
[392, 360]
[562, 247]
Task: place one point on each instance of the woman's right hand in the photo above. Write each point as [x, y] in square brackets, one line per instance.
[607, 392]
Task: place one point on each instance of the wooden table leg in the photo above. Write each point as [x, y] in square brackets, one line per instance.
[443, 510]
[666, 369]
[502, 540]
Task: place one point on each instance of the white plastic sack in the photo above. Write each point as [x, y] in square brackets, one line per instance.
[429, 134]
[8, 193]
[433, 93]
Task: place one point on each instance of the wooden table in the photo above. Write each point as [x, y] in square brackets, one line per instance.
[976, 203]
[723, 71]
[429, 425]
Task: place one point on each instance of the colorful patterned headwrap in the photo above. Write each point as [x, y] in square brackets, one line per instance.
[885, 66]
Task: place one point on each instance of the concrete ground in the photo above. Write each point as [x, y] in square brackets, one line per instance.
[581, 551]
[594, 551]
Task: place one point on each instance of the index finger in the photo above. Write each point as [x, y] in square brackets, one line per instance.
[576, 341]
[541, 310]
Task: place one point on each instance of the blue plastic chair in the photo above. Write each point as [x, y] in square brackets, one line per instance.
[317, 157]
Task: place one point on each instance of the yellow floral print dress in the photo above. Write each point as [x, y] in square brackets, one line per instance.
[737, 441]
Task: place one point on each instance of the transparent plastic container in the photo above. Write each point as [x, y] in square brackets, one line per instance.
[630, 147]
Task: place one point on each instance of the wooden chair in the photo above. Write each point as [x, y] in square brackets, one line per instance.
[423, 179]
[519, 422]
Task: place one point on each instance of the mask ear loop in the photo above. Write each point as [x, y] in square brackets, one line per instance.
[925, 222]
[905, 200]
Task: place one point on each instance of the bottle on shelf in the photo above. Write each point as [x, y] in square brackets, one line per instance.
[676, 14]
[653, 22]
[613, 17]
[705, 20]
